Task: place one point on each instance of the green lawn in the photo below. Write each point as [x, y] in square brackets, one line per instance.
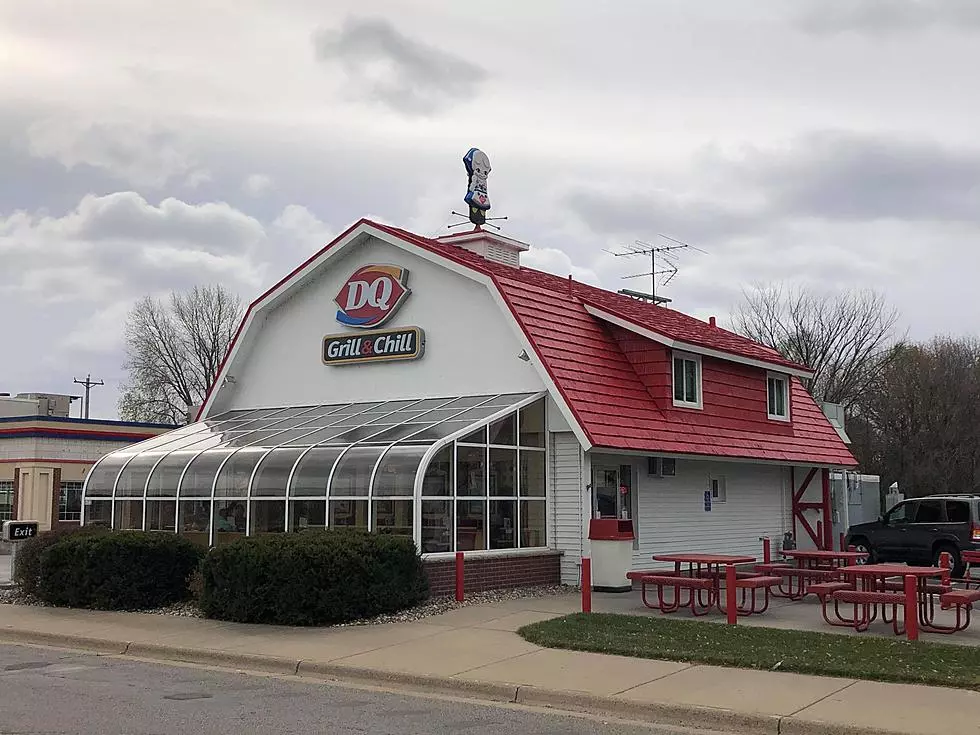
[858, 657]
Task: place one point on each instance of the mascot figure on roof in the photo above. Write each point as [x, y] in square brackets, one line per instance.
[478, 169]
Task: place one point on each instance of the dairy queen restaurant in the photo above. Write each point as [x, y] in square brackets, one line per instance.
[440, 390]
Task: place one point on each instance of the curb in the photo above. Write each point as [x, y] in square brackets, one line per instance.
[688, 717]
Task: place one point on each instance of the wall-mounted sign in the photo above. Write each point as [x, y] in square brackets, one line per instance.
[391, 344]
[372, 295]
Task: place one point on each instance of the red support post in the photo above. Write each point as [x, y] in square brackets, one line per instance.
[911, 607]
[766, 550]
[730, 604]
[459, 576]
[841, 541]
[820, 535]
[946, 562]
[586, 584]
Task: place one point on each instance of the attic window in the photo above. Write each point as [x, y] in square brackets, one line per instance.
[778, 396]
[687, 380]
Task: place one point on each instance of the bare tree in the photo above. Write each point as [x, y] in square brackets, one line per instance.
[846, 339]
[174, 351]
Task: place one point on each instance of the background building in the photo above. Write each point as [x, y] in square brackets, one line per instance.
[45, 455]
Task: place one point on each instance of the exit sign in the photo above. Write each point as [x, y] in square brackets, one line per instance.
[19, 530]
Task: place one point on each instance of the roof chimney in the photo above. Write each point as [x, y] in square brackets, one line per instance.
[490, 245]
[712, 322]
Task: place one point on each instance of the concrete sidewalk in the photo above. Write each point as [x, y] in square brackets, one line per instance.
[474, 651]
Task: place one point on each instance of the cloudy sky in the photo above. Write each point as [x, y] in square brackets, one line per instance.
[149, 146]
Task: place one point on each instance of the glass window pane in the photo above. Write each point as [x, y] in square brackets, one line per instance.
[353, 473]
[199, 477]
[132, 480]
[438, 478]
[477, 437]
[129, 515]
[393, 516]
[957, 512]
[690, 381]
[467, 401]
[250, 438]
[437, 526]
[103, 477]
[161, 515]
[439, 431]
[195, 520]
[290, 436]
[349, 514]
[229, 520]
[236, 473]
[532, 474]
[533, 524]
[166, 475]
[504, 431]
[397, 471]
[98, 513]
[503, 471]
[273, 472]
[532, 425]
[470, 525]
[69, 501]
[437, 415]
[678, 379]
[503, 524]
[430, 403]
[397, 433]
[473, 415]
[320, 436]
[471, 471]
[268, 516]
[313, 471]
[361, 433]
[307, 514]
[507, 399]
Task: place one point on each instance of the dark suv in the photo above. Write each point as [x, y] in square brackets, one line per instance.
[917, 531]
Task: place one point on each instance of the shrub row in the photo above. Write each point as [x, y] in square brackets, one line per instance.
[308, 578]
[312, 578]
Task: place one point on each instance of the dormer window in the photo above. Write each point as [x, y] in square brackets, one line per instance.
[687, 380]
[778, 390]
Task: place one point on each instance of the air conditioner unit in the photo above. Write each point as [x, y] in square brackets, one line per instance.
[661, 466]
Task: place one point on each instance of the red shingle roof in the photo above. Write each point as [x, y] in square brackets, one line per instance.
[610, 400]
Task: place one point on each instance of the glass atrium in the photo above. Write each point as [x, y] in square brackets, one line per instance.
[456, 474]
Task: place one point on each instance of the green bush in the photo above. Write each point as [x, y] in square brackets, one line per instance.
[27, 566]
[121, 570]
[312, 578]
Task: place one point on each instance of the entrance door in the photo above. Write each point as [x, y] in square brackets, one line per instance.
[611, 491]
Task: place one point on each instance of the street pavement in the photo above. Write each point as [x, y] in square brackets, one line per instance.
[48, 691]
[474, 652]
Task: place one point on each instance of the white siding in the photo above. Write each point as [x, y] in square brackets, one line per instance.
[470, 349]
[671, 516]
[567, 514]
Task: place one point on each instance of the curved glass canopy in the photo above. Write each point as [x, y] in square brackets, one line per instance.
[394, 466]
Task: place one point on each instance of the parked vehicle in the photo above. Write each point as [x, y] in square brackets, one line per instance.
[918, 530]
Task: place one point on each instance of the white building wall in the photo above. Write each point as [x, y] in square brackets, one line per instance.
[670, 515]
[672, 518]
[18, 448]
[470, 348]
[567, 509]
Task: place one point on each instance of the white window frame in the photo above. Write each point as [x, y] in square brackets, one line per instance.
[722, 496]
[696, 359]
[785, 381]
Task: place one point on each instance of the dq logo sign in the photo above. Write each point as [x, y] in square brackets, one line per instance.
[371, 295]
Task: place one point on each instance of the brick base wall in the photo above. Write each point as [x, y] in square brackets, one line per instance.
[491, 572]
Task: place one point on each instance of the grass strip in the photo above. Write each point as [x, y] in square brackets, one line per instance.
[824, 654]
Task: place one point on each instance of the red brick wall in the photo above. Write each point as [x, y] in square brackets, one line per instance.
[494, 572]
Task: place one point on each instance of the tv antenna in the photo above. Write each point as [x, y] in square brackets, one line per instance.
[476, 228]
[662, 268]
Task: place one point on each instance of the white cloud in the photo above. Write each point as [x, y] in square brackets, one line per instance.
[256, 184]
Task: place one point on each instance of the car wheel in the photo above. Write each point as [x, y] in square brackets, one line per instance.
[957, 568]
[862, 546]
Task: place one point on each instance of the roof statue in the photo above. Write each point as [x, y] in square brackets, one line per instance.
[477, 169]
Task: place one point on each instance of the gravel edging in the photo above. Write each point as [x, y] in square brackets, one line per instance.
[429, 608]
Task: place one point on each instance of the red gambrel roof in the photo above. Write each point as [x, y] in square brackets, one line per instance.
[601, 387]
[610, 400]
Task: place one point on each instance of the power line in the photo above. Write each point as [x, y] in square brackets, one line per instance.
[89, 384]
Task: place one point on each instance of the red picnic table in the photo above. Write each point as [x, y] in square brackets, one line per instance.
[873, 588]
[701, 580]
[971, 558]
[813, 566]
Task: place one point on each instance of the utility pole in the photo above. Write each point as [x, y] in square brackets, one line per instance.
[89, 384]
